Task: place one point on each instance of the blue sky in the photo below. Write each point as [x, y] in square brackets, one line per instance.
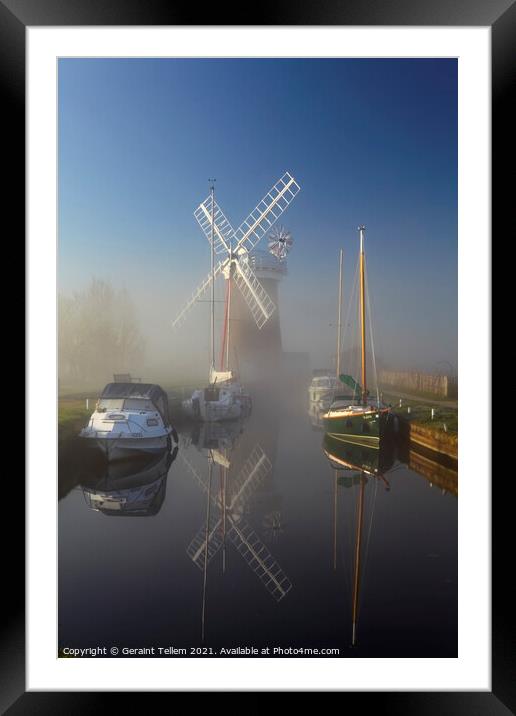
[369, 141]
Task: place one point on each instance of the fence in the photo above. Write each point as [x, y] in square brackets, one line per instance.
[442, 385]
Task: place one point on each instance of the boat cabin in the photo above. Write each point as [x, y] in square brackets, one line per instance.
[134, 397]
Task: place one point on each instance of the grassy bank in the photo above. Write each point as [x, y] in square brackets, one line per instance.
[445, 418]
[72, 416]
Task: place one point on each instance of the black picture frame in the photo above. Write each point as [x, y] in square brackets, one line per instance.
[500, 15]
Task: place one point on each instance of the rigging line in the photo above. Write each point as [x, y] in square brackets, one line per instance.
[350, 304]
[371, 338]
[347, 331]
[368, 539]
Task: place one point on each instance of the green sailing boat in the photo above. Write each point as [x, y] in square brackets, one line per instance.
[361, 418]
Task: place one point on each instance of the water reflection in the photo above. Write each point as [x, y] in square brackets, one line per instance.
[262, 531]
[354, 468]
[130, 488]
[439, 474]
[229, 486]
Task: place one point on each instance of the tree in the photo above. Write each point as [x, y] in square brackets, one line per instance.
[98, 334]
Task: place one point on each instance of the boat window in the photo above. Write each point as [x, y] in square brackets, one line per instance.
[110, 404]
[366, 428]
[138, 404]
[321, 383]
[349, 423]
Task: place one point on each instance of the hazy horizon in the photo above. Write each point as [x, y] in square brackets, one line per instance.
[370, 141]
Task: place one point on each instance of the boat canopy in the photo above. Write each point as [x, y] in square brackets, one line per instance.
[149, 391]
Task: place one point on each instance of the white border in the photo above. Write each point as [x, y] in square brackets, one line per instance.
[471, 671]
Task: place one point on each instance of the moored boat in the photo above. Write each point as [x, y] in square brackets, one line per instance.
[130, 419]
[360, 417]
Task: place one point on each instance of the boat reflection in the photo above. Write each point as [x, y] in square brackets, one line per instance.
[228, 483]
[214, 439]
[132, 488]
[357, 468]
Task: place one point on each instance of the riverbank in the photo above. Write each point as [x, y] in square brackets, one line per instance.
[431, 425]
[72, 415]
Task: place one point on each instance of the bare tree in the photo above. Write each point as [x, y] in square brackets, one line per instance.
[98, 334]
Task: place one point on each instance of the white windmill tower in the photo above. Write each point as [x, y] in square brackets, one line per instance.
[239, 265]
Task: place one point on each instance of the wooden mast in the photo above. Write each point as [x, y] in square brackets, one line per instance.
[224, 329]
[339, 323]
[229, 320]
[361, 230]
[212, 321]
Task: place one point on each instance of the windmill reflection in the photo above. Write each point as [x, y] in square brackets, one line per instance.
[226, 501]
[355, 467]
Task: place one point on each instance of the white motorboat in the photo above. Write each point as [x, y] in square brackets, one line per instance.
[322, 389]
[223, 399]
[131, 419]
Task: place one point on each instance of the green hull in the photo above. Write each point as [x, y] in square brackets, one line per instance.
[362, 429]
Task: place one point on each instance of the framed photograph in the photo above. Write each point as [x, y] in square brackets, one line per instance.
[258, 265]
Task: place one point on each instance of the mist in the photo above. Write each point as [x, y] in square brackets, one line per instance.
[368, 141]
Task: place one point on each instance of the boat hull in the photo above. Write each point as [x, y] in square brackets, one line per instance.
[116, 448]
[361, 429]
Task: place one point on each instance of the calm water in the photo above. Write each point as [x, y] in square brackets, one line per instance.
[281, 570]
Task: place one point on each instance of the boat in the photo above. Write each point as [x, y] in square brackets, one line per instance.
[322, 388]
[131, 488]
[224, 398]
[130, 419]
[355, 413]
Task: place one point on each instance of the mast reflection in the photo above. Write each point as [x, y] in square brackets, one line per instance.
[355, 467]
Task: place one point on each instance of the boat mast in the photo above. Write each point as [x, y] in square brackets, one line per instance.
[229, 320]
[224, 329]
[212, 324]
[339, 324]
[361, 230]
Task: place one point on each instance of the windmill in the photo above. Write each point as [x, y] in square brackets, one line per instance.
[236, 247]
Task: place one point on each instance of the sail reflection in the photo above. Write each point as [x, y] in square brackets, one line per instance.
[229, 485]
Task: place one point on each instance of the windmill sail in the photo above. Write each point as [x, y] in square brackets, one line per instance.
[236, 245]
[256, 297]
[222, 229]
[181, 317]
[268, 211]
